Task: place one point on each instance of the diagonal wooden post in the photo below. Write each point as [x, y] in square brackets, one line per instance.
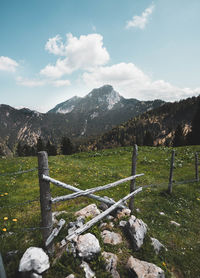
[197, 166]
[133, 172]
[2, 269]
[45, 198]
[171, 173]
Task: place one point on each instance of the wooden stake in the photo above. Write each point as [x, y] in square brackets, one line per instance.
[171, 173]
[45, 198]
[133, 173]
[197, 166]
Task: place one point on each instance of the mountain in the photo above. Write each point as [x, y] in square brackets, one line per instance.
[160, 123]
[77, 118]
[101, 110]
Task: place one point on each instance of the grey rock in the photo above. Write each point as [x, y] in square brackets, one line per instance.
[111, 263]
[87, 246]
[72, 226]
[34, 259]
[111, 237]
[123, 213]
[137, 230]
[161, 213]
[70, 276]
[157, 245]
[122, 223]
[105, 226]
[35, 275]
[88, 271]
[89, 211]
[144, 269]
[110, 217]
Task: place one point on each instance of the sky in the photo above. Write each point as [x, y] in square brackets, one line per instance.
[52, 50]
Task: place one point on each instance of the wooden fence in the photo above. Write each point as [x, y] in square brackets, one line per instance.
[46, 200]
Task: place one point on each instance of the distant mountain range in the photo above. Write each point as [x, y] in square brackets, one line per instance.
[98, 112]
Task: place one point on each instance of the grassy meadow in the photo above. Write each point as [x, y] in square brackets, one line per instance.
[20, 220]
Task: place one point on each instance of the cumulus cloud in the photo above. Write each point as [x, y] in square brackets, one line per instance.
[8, 64]
[132, 82]
[140, 21]
[41, 82]
[85, 52]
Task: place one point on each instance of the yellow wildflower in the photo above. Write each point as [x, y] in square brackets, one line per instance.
[177, 211]
[5, 218]
[164, 264]
[6, 193]
[198, 199]
[4, 230]
[14, 220]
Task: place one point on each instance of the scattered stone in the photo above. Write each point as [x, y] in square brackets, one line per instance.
[110, 217]
[123, 213]
[111, 237]
[161, 213]
[144, 269]
[105, 226]
[56, 214]
[137, 230]
[88, 271]
[70, 276]
[87, 246]
[175, 223]
[89, 211]
[122, 223]
[137, 209]
[111, 263]
[157, 245]
[34, 259]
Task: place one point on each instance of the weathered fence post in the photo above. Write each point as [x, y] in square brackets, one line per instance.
[45, 198]
[2, 270]
[133, 172]
[197, 166]
[171, 173]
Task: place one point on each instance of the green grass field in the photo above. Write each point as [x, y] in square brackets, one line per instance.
[87, 170]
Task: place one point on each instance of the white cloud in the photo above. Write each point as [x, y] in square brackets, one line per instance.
[85, 53]
[41, 82]
[140, 21]
[132, 82]
[8, 64]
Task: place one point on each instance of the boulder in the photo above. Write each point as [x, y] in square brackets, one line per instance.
[122, 223]
[35, 260]
[111, 237]
[111, 263]
[137, 230]
[87, 246]
[89, 211]
[142, 269]
[157, 245]
[88, 271]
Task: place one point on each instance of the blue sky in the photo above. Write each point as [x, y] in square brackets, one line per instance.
[52, 50]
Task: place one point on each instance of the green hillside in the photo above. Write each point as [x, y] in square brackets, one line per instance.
[86, 170]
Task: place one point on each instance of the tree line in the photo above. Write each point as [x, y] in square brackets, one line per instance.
[66, 147]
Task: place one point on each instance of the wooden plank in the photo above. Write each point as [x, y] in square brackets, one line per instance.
[55, 231]
[171, 173]
[45, 198]
[133, 172]
[197, 167]
[72, 188]
[92, 190]
[93, 221]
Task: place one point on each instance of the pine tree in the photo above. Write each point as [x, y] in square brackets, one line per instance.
[148, 139]
[66, 146]
[195, 134]
[51, 149]
[179, 139]
[40, 145]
